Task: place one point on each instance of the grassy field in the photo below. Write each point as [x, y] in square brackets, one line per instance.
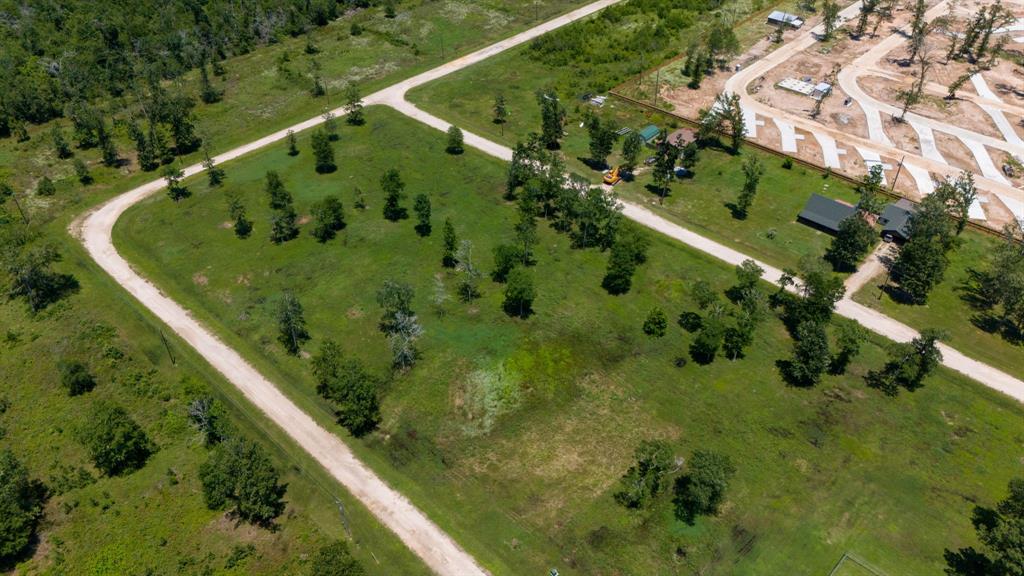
[770, 233]
[526, 484]
[947, 309]
[154, 520]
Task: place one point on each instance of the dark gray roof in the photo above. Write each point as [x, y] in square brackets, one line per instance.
[895, 219]
[825, 212]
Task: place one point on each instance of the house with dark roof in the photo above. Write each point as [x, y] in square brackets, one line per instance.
[895, 220]
[825, 214]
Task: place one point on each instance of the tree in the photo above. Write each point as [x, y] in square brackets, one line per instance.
[912, 97]
[701, 490]
[421, 206]
[279, 197]
[632, 144]
[30, 274]
[849, 337]
[45, 187]
[602, 139]
[107, 147]
[519, 293]
[752, 172]
[323, 152]
[239, 475]
[394, 298]
[728, 111]
[526, 231]
[628, 251]
[688, 157]
[60, 144]
[552, 116]
[998, 289]
[909, 364]
[851, 243]
[644, 480]
[830, 17]
[75, 378]
[352, 390]
[21, 506]
[469, 274]
[1001, 533]
[82, 172]
[330, 125]
[918, 29]
[403, 341]
[353, 106]
[293, 146]
[440, 296]
[703, 294]
[284, 225]
[116, 444]
[810, 355]
[656, 323]
[506, 257]
[819, 291]
[712, 331]
[959, 195]
[214, 173]
[450, 243]
[393, 187]
[209, 417]
[291, 323]
[869, 189]
[455, 140]
[242, 226]
[335, 559]
[921, 262]
[329, 218]
[664, 166]
[748, 274]
[175, 190]
[500, 111]
[207, 92]
[866, 10]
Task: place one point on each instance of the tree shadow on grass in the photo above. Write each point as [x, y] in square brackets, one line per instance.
[593, 165]
[736, 212]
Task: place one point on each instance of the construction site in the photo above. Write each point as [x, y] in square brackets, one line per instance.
[925, 90]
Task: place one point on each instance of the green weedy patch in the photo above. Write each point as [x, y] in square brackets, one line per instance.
[487, 395]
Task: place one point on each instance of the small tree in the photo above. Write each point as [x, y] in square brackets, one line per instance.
[632, 144]
[909, 364]
[664, 166]
[45, 187]
[75, 378]
[330, 125]
[469, 274]
[752, 172]
[519, 293]
[353, 106]
[60, 144]
[421, 206]
[242, 226]
[393, 298]
[403, 341]
[712, 331]
[849, 338]
[506, 257]
[450, 245]
[851, 243]
[830, 17]
[335, 559]
[869, 189]
[700, 492]
[239, 475]
[921, 262]
[209, 417]
[207, 92]
[351, 389]
[628, 251]
[323, 152]
[21, 500]
[116, 444]
[500, 111]
[175, 190]
[644, 480]
[82, 172]
[293, 145]
[394, 190]
[810, 354]
[526, 232]
[329, 218]
[455, 140]
[552, 119]
[656, 323]
[291, 323]
[602, 139]
[284, 225]
[214, 173]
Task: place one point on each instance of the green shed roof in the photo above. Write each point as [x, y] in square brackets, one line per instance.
[649, 133]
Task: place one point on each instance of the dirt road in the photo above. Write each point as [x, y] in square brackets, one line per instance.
[418, 532]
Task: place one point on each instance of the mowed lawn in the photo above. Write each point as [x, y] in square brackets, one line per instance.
[702, 202]
[946, 307]
[522, 472]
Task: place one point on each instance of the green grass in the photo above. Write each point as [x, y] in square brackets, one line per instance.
[155, 518]
[947, 310]
[821, 471]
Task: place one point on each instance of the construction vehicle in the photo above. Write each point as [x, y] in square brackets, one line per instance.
[612, 176]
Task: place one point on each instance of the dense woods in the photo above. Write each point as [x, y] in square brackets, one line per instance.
[56, 55]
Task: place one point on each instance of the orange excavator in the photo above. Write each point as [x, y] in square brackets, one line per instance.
[612, 176]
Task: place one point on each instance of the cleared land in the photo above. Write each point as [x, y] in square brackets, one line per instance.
[821, 471]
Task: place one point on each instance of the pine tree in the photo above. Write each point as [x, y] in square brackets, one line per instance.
[450, 242]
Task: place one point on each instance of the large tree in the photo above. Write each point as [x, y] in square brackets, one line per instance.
[909, 364]
[602, 139]
[810, 354]
[752, 172]
[352, 390]
[240, 476]
[552, 118]
[645, 479]
[328, 218]
[701, 490]
[519, 293]
[1001, 533]
[116, 444]
[21, 506]
[922, 261]
[851, 243]
[998, 288]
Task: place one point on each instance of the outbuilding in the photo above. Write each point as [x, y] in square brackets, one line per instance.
[780, 18]
[649, 133]
[895, 220]
[825, 214]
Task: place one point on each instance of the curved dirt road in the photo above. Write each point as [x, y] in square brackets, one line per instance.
[438, 551]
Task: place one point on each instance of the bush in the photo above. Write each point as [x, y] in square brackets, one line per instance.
[335, 559]
[656, 323]
[75, 378]
[239, 475]
[116, 444]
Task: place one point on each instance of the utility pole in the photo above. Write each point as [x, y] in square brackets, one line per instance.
[167, 346]
[899, 169]
[657, 86]
[24, 216]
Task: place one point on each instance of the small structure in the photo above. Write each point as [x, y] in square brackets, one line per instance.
[682, 137]
[825, 214]
[895, 220]
[821, 89]
[598, 101]
[798, 86]
[780, 18]
[649, 133]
